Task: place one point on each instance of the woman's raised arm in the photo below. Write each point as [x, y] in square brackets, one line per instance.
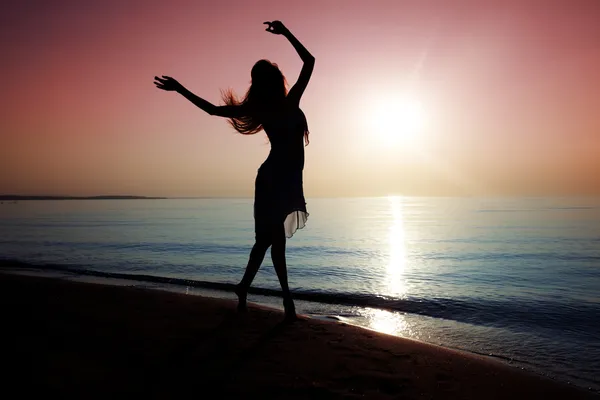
[297, 90]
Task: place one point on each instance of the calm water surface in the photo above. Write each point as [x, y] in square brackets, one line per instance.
[515, 277]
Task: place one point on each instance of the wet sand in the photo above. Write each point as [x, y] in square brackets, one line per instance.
[90, 341]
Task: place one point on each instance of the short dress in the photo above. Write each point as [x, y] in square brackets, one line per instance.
[279, 195]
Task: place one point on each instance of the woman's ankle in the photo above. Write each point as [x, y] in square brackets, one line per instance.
[288, 302]
[241, 288]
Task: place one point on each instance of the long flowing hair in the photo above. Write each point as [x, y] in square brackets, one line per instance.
[268, 90]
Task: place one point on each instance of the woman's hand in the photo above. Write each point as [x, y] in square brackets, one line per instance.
[276, 27]
[167, 83]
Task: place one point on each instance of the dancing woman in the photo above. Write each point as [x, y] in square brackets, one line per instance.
[279, 204]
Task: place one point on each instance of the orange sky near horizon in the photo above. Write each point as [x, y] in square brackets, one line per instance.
[510, 93]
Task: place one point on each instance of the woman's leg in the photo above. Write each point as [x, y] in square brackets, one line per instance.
[279, 262]
[256, 258]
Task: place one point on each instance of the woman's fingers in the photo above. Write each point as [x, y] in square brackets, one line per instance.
[275, 27]
[160, 83]
[165, 83]
[164, 78]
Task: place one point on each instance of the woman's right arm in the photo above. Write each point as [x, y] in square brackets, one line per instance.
[297, 90]
[169, 84]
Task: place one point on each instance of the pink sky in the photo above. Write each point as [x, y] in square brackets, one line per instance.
[510, 92]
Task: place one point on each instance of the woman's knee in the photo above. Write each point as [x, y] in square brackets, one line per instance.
[262, 242]
[278, 241]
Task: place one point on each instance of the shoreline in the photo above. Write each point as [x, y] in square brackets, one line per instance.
[79, 336]
[270, 298]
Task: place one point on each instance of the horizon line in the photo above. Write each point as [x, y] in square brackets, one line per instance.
[13, 197]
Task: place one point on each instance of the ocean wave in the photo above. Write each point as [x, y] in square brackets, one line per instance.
[538, 314]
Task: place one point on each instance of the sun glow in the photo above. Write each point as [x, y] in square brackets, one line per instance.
[398, 122]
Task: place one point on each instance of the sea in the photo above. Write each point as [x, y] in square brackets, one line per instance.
[516, 279]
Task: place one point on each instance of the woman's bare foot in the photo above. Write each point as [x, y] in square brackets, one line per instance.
[242, 296]
[290, 310]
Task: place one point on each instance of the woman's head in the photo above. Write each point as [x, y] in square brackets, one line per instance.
[268, 83]
[267, 89]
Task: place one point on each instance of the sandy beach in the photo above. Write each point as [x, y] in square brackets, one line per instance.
[89, 340]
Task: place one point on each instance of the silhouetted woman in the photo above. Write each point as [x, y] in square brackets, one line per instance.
[279, 205]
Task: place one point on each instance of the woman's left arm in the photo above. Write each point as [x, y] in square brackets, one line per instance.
[277, 28]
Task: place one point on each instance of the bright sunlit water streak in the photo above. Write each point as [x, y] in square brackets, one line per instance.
[398, 257]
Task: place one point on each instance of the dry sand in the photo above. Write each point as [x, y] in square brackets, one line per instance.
[89, 341]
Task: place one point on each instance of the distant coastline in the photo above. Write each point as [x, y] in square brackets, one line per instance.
[105, 197]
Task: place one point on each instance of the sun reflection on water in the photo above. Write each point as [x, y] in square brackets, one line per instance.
[392, 323]
[395, 280]
[396, 267]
